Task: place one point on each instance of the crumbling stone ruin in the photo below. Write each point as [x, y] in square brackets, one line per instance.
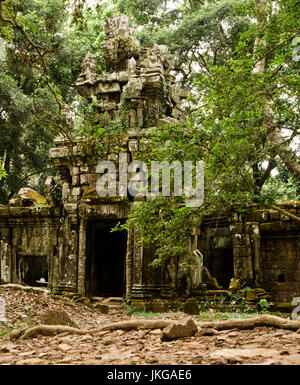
[68, 242]
[137, 77]
[260, 249]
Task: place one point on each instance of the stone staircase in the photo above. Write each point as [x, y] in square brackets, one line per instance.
[113, 303]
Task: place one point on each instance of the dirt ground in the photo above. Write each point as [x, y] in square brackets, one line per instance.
[262, 345]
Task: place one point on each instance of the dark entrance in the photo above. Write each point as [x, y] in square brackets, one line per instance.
[218, 258]
[106, 253]
[221, 266]
[31, 268]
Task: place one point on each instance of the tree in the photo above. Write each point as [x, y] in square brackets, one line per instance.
[274, 134]
[198, 33]
[241, 123]
[43, 45]
[27, 127]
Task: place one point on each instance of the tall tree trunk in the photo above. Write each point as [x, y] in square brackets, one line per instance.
[274, 136]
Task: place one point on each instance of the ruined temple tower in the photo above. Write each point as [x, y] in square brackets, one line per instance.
[69, 243]
[137, 85]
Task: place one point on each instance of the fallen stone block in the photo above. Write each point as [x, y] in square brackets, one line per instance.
[191, 307]
[31, 197]
[175, 331]
[57, 317]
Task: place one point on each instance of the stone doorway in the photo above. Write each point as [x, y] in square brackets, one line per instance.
[31, 268]
[106, 253]
[218, 257]
[221, 266]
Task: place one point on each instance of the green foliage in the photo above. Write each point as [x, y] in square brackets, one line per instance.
[3, 173]
[159, 219]
[42, 48]
[25, 140]
[146, 314]
[198, 35]
[227, 125]
[284, 186]
[222, 299]
[264, 305]
[127, 306]
[56, 190]
[246, 289]
[101, 134]
[237, 301]
[142, 11]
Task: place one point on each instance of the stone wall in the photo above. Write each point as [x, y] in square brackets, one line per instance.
[265, 248]
[29, 241]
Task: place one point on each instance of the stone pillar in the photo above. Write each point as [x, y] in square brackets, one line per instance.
[16, 241]
[137, 258]
[242, 254]
[254, 230]
[129, 263]
[5, 255]
[82, 257]
[68, 250]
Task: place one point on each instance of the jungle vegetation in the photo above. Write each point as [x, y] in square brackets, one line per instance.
[239, 60]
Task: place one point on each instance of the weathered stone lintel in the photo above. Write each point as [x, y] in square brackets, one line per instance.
[30, 212]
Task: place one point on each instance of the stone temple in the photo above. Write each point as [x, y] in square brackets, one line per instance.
[69, 243]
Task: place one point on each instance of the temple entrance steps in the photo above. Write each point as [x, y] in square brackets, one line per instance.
[113, 303]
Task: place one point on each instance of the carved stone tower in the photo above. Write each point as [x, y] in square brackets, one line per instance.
[138, 84]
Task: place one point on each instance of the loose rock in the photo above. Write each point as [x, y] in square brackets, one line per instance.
[175, 331]
[57, 317]
[206, 332]
[191, 307]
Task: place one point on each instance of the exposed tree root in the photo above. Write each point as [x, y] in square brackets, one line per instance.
[45, 330]
[15, 286]
[241, 324]
[51, 330]
[251, 323]
[137, 325]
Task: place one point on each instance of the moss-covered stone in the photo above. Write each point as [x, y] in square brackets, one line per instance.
[235, 284]
[31, 197]
[191, 307]
[57, 317]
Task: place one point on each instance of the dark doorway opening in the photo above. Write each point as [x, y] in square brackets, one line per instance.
[222, 266]
[281, 278]
[219, 262]
[31, 268]
[106, 252]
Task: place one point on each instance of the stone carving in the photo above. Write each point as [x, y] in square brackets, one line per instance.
[88, 71]
[139, 77]
[119, 43]
[31, 198]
